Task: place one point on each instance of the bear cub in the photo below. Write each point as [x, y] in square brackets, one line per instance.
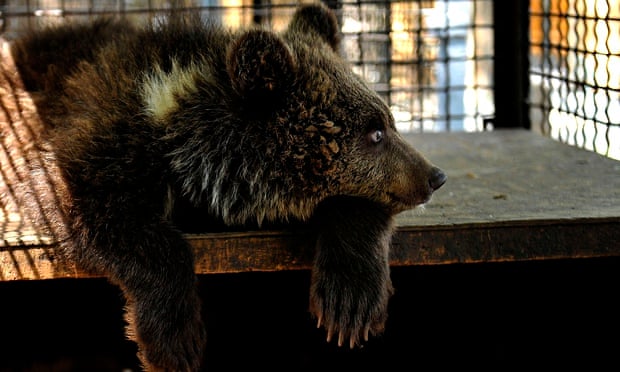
[251, 127]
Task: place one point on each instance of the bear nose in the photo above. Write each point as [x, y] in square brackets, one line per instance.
[437, 179]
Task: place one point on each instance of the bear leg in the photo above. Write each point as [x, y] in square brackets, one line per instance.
[154, 267]
[351, 283]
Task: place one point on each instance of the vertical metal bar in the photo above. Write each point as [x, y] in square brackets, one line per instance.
[257, 12]
[421, 89]
[475, 57]
[2, 16]
[388, 31]
[511, 22]
[445, 60]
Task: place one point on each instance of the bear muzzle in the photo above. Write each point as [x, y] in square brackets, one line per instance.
[415, 186]
[437, 178]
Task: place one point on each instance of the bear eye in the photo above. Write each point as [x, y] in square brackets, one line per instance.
[376, 136]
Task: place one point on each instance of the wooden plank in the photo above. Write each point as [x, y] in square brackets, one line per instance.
[511, 195]
[273, 251]
[515, 175]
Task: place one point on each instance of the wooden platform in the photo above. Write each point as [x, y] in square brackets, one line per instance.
[511, 195]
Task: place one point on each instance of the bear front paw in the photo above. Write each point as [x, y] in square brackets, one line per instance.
[180, 352]
[351, 310]
[170, 338]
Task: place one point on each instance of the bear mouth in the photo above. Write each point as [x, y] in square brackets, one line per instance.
[402, 203]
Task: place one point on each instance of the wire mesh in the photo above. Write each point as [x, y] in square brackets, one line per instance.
[431, 60]
[575, 72]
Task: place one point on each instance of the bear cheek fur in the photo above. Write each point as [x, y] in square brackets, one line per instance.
[316, 155]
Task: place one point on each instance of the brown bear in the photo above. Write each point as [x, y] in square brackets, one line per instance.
[249, 127]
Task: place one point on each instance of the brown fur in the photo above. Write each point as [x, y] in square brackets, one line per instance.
[250, 127]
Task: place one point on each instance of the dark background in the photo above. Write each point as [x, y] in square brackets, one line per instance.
[494, 316]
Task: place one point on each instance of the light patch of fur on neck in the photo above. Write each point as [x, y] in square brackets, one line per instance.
[161, 90]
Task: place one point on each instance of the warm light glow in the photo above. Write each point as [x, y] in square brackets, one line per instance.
[582, 72]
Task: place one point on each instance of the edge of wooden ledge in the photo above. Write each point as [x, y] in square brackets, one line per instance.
[231, 252]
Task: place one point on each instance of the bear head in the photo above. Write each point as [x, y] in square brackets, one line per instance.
[334, 134]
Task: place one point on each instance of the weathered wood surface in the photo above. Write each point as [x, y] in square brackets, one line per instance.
[511, 195]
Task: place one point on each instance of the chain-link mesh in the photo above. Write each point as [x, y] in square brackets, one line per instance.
[431, 60]
[575, 72]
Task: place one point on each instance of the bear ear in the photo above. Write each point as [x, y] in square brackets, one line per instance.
[319, 19]
[260, 66]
